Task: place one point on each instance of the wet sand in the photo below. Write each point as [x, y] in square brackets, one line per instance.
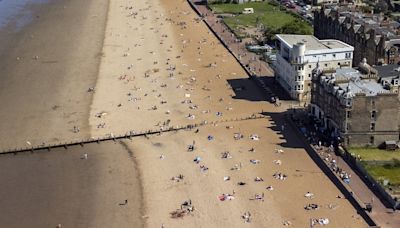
[42, 98]
[45, 189]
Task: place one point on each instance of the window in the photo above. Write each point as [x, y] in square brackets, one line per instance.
[309, 66]
[348, 55]
[309, 75]
[371, 140]
[338, 63]
[348, 102]
[372, 127]
[334, 55]
[348, 126]
[373, 103]
[326, 65]
[348, 114]
[373, 115]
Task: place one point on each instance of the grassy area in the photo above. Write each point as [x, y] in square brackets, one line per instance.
[381, 165]
[269, 15]
[374, 154]
[259, 7]
[380, 173]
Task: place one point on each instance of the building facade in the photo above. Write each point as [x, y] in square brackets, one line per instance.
[355, 107]
[298, 55]
[374, 37]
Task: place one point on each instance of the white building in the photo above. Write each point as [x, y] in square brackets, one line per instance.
[298, 55]
[244, 1]
[321, 2]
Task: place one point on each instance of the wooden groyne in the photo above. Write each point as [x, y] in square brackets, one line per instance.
[128, 135]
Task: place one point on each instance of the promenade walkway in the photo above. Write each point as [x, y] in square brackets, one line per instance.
[248, 59]
[383, 216]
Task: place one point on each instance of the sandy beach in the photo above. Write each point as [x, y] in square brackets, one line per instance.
[163, 74]
[152, 65]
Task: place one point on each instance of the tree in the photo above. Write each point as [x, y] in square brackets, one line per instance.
[296, 27]
[381, 7]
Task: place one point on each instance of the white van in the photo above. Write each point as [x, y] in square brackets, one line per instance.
[248, 10]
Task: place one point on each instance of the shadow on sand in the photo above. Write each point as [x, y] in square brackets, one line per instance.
[247, 89]
[293, 138]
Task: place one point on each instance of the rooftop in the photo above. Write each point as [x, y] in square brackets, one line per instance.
[388, 71]
[382, 25]
[311, 42]
[356, 85]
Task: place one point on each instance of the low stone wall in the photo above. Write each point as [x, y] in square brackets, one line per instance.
[369, 180]
[350, 196]
[193, 6]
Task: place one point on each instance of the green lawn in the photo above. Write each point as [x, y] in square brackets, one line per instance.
[374, 160]
[374, 154]
[381, 172]
[267, 14]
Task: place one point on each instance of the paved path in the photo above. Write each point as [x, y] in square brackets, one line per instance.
[382, 215]
[250, 60]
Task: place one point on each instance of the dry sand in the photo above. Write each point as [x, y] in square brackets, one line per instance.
[151, 37]
[143, 41]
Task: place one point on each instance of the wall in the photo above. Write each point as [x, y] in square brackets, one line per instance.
[386, 121]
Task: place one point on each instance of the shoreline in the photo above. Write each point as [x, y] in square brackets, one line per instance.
[54, 86]
[42, 99]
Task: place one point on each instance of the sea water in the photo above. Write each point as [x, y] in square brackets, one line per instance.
[17, 12]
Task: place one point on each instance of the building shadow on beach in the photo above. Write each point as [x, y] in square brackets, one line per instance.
[293, 138]
[258, 89]
[283, 129]
[247, 89]
[275, 88]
